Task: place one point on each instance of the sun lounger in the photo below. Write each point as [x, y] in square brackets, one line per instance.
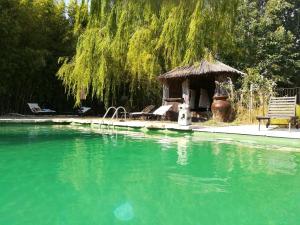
[161, 111]
[144, 112]
[36, 109]
[281, 108]
[83, 110]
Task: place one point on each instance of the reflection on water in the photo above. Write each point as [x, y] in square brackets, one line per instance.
[279, 163]
[84, 161]
[74, 167]
[200, 184]
[252, 157]
[223, 158]
[80, 175]
[182, 148]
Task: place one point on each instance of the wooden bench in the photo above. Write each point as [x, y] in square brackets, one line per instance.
[281, 108]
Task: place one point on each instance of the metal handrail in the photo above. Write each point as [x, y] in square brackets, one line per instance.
[107, 111]
[115, 115]
[117, 111]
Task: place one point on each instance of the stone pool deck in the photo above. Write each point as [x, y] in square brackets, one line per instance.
[252, 130]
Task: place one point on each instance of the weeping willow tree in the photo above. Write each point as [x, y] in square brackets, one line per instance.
[126, 44]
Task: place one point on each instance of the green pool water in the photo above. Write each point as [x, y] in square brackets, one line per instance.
[64, 175]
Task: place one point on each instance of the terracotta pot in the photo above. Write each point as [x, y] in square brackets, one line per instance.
[221, 108]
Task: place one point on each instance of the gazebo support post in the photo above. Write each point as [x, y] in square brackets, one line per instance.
[186, 91]
[166, 93]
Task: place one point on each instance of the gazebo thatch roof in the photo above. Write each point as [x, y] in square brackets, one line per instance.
[204, 68]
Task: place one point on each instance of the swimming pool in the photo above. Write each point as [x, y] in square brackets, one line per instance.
[68, 175]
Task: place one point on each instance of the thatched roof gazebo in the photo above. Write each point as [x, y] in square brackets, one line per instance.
[195, 84]
[204, 68]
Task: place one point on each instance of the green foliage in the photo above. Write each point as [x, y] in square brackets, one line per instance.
[126, 44]
[256, 83]
[267, 40]
[115, 50]
[33, 34]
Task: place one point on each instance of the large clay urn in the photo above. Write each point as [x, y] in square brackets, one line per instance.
[221, 108]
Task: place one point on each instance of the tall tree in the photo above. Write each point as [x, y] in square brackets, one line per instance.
[126, 44]
[33, 34]
[267, 37]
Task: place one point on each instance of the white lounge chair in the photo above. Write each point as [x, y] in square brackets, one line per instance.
[36, 109]
[144, 112]
[161, 111]
[83, 110]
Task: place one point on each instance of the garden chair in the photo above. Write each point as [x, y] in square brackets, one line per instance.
[160, 112]
[37, 110]
[144, 112]
[281, 108]
[83, 110]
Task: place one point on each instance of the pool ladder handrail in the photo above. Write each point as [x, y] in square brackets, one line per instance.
[117, 111]
[106, 113]
[114, 115]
